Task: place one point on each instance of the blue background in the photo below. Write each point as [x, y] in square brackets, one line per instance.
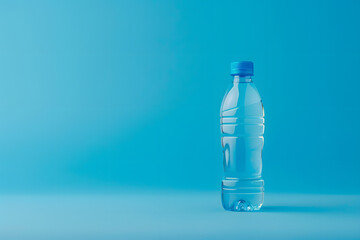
[109, 95]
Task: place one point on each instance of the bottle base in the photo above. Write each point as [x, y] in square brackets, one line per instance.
[242, 202]
[242, 196]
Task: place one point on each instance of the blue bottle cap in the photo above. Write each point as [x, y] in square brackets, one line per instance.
[243, 68]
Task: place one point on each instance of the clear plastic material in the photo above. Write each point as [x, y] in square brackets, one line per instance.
[242, 130]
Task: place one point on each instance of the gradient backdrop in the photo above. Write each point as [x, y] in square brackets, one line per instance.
[114, 95]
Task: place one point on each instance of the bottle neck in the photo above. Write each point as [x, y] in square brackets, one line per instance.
[242, 79]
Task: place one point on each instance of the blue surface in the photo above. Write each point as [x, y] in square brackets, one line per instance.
[176, 215]
[119, 94]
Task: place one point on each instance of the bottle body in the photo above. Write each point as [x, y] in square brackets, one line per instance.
[242, 130]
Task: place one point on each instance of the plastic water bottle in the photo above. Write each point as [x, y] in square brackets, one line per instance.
[242, 130]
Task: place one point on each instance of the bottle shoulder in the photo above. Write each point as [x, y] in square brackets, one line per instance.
[242, 99]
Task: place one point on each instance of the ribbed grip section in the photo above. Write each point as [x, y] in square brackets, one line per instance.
[242, 141]
[242, 126]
